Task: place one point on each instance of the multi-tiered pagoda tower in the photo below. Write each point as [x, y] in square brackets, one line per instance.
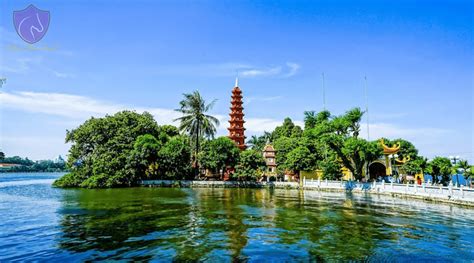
[236, 129]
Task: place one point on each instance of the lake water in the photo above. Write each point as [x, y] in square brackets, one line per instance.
[38, 222]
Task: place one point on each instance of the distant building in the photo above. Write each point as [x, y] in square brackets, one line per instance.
[236, 122]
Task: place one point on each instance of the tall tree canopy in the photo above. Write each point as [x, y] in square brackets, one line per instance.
[251, 165]
[218, 154]
[115, 150]
[341, 135]
[440, 168]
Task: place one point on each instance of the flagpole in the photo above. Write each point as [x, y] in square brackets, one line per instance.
[367, 107]
[324, 92]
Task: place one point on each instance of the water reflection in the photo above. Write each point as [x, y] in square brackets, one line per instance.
[248, 224]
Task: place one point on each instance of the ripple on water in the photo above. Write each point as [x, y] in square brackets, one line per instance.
[42, 223]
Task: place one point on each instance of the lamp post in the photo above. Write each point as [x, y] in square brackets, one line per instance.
[454, 160]
[393, 157]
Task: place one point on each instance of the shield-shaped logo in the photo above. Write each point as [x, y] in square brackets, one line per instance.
[31, 23]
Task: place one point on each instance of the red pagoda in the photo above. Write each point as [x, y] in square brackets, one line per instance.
[236, 129]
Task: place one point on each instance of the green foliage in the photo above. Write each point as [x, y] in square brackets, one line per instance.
[312, 119]
[257, 142]
[218, 154]
[300, 159]
[283, 146]
[69, 180]
[195, 122]
[27, 165]
[440, 166]
[417, 165]
[340, 134]
[407, 149]
[466, 168]
[250, 166]
[287, 129]
[101, 148]
[2, 156]
[174, 159]
[331, 168]
[143, 157]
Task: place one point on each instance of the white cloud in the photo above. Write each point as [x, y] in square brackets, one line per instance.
[260, 72]
[244, 70]
[73, 106]
[62, 75]
[293, 69]
[78, 108]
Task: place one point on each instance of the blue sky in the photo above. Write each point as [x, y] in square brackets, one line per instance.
[111, 55]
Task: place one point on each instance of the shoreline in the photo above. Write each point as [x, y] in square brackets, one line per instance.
[450, 195]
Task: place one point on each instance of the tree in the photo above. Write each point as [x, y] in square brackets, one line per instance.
[287, 129]
[144, 156]
[2, 156]
[283, 146]
[195, 122]
[174, 158]
[218, 154]
[257, 142]
[309, 119]
[250, 166]
[101, 147]
[331, 168]
[440, 166]
[300, 159]
[312, 119]
[341, 135]
[414, 166]
[466, 169]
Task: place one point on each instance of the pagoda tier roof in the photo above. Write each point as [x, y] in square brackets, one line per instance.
[237, 137]
[237, 121]
[269, 148]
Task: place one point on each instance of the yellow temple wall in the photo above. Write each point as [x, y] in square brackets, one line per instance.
[318, 174]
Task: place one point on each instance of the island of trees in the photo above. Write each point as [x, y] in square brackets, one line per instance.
[121, 149]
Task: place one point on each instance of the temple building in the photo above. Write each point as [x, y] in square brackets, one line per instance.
[269, 156]
[236, 122]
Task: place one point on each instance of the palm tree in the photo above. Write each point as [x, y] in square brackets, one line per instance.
[253, 142]
[195, 122]
[466, 168]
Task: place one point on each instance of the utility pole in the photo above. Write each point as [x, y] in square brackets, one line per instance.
[324, 92]
[367, 107]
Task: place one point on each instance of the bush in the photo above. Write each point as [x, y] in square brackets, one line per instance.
[68, 180]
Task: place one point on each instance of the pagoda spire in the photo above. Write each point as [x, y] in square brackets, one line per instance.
[236, 122]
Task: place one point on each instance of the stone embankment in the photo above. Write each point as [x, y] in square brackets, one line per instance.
[459, 195]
